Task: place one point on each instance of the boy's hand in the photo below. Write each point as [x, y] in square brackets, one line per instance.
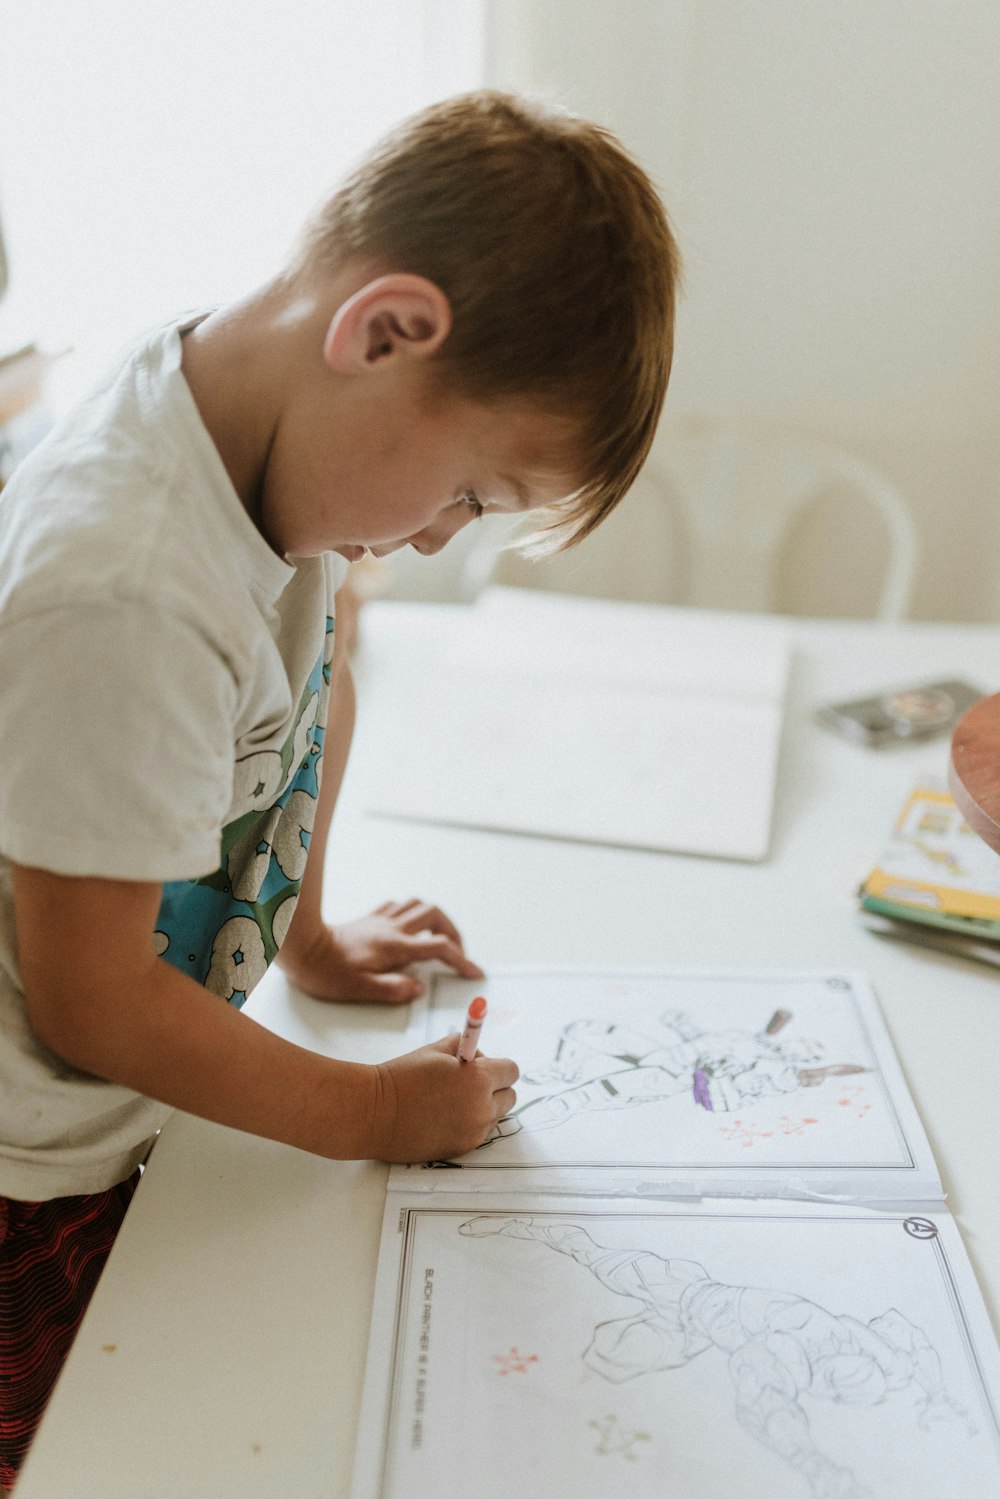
[430, 1106]
[363, 959]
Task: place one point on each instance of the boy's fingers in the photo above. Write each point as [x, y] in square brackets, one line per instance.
[504, 1072]
[504, 1100]
[429, 933]
[389, 988]
[393, 909]
[427, 947]
[420, 917]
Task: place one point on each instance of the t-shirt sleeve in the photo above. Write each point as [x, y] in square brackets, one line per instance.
[116, 743]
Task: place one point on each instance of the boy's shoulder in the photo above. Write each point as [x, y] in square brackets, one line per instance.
[88, 437]
[127, 497]
[102, 463]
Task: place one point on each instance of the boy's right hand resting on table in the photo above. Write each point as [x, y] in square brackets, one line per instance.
[430, 1106]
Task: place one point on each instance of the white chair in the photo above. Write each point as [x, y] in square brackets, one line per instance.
[736, 515]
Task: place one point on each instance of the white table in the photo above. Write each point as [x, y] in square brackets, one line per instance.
[223, 1352]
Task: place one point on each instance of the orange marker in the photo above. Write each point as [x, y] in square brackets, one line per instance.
[473, 1025]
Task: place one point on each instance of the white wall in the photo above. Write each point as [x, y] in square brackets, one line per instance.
[157, 155]
[831, 167]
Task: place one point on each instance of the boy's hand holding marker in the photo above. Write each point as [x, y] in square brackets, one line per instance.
[429, 1109]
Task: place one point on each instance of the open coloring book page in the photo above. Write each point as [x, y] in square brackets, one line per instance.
[589, 719]
[580, 1347]
[585, 761]
[760, 1084]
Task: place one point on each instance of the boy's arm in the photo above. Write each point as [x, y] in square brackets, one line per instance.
[359, 960]
[98, 997]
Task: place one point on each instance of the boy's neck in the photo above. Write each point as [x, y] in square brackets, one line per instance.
[242, 364]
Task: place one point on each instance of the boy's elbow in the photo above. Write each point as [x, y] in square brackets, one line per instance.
[68, 1027]
[85, 955]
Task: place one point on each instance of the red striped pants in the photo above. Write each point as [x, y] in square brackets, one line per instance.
[51, 1256]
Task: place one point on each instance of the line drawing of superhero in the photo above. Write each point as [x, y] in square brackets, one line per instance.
[780, 1346]
[602, 1065]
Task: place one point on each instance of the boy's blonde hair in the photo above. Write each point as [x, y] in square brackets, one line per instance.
[558, 261]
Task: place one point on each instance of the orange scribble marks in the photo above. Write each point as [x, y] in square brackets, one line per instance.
[853, 1095]
[514, 1362]
[789, 1126]
[745, 1134]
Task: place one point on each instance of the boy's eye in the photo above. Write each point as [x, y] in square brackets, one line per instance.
[470, 499]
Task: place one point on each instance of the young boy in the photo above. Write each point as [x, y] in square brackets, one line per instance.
[479, 321]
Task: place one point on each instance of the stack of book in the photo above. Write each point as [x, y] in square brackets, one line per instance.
[936, 883]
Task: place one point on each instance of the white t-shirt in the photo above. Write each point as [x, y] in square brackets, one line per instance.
[164, 678]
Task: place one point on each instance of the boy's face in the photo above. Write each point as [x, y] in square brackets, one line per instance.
[404, 469]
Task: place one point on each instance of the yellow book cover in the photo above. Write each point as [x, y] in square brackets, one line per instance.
[935, 862]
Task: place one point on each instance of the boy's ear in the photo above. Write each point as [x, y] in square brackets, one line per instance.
[398, 316]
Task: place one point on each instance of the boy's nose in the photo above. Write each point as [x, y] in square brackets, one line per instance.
[432, 538]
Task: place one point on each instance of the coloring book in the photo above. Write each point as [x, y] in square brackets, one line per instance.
[708, 1250]
[673, 1083]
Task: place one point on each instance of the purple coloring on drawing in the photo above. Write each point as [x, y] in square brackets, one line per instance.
[701, 1093]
